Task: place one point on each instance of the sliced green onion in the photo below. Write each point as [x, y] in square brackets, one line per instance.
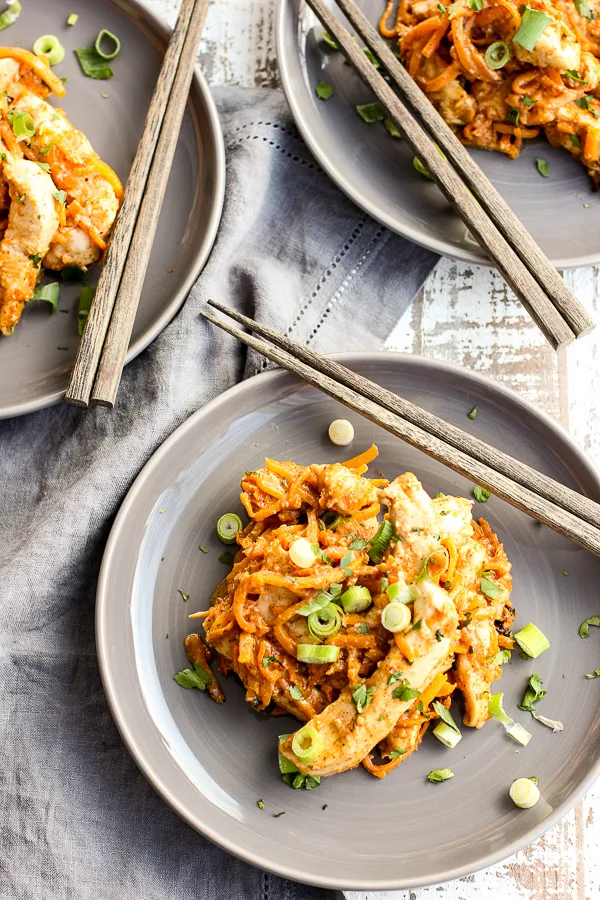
[400, 593]
[380, 542]
[445, 715]
[396, 617]
[228, 527]
[497, 54]
[21, 124]
[92, 64]
[307, 743]
[418, 165]
[533, 23]
[519, 734]
[326, 622]
[524, 793]
[285, 765]
[371, 112]
[543, 166]
[72, 19]
[106, 35]
[314, 605]
[10, 14]
[341, 432]
[327, 39]
[532, 640]
[440, 775]
[356, 599]
[48, 292]
[495, 709]
[472, 414]
[86, 295]
[424, 574]
[391, 128]
[317, 653]
[323, 90]
[489, 588]
[448, 736]
[49, 46]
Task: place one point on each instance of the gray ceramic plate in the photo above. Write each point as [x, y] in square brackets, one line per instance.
[376, 170]
[212, 763]
[36, 361]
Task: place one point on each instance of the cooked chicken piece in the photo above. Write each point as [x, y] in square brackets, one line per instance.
[197, 652]
[32, 223]
[342, 490]
[348, 736]
[589, 70]
[555, 48]
[476, 670]
[92, 188]
[9, 73]
[421, 523]
[424, 9]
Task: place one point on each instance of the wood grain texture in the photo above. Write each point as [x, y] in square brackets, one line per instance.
[127, 298]
[467, 315]
[92, 340]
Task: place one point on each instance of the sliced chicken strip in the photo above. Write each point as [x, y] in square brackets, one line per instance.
[32, 223]
[92, 188]
[347, 736]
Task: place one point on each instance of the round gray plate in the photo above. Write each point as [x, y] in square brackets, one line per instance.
[212, 763]
[35, 362]
[376, 170]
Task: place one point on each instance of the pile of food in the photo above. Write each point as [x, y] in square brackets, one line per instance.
[500, 72]
[58, 200]
[360, 627]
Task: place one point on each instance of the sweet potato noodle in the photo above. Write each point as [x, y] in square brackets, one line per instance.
[493, 91]
[375, 692]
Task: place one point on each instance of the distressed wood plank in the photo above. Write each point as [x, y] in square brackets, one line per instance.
[465, 315]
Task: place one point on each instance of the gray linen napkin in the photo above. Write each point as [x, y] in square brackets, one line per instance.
[77, 818]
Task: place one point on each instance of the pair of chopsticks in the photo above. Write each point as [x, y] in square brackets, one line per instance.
[103, 347]
[535, 281]
[561, 508]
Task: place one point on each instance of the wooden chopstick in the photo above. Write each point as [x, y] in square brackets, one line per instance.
[126, 302]
[512, 468]
[538, 300]
[189, 25]
[576, 529]
[474, 177]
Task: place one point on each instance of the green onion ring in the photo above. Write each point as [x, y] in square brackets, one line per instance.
[395, 617]
[307, 743]
[317, 653]
[326, 622]
[48, 45]
[356, 599]
[107, 35]
[498, 54]
[228, 527]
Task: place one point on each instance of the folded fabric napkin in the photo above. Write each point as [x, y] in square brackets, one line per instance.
[78, 820]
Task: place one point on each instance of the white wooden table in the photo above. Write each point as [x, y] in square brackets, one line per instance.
[467, 315]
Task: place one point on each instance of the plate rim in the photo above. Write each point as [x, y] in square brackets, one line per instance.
[199, 83]
[585, 467]
[444, 248]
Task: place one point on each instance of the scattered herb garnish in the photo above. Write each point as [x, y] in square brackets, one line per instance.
[323, 90]
[575, 76]
[308, 782]
[584, 9]
[575, 140]
[198, 678]
[371, 112]
[445, 715]
[276, 815]
[397, 752]
[481, 494]
[226, 558]
[438, 635]
[357, 544]
[512, 115]
[417, 625]
[472, 414]
[260, 804]
[267, 660]
[533, 693]
[203, 548]
[543, 166]
[36, 258]
[584, 628]
[362, 696]
[184, 596]
[363, 628]
[594, 674]
[527, 101]
[296, 693]
[489, 588]
[59, 196]
[395, 676]
[405, 692]
[438, 775]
